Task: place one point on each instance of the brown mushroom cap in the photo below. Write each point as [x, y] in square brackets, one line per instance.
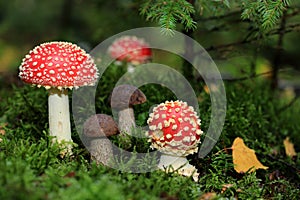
[125, 96]
[100, 125]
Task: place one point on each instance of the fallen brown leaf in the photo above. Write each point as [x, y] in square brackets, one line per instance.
[244, 158]
[225, 187]
[289, 147]
[208, 196]
[2, 131]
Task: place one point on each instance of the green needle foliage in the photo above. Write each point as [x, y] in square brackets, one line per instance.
[266, 14]
[169, 13]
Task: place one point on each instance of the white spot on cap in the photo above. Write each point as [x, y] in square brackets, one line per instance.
[166, 123]
[152, 127]
[159, 126]
[198, 132]
[168, 136]
[186, 139]
[193, 138]
[172, 120]
[186, 128]
[52, 71]
[178, 134]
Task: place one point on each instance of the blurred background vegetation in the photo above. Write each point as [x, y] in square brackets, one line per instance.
[27, 23]
[243, 37]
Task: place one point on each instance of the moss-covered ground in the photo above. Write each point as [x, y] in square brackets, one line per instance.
[31, 168]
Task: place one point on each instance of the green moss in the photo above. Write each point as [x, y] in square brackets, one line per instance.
[30, 167]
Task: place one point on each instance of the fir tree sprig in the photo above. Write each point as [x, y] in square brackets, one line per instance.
[264, 13]
[168, 13]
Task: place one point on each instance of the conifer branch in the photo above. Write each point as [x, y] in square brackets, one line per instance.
[264, 14]
[288, 29]
[168, 13]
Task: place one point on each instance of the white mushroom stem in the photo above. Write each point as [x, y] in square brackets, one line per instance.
[179, 164]
[130, 68]
[126, 120]
[59, 116]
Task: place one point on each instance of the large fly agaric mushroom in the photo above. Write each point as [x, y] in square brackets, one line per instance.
[58, 66]
[130, 49]
[123, 98]
[96, 129]
[174, 129]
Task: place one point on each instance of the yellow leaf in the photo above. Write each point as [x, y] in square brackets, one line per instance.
[289, 147]
[244, 158]
[208, 196]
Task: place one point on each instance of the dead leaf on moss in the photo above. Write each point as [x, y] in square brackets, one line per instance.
[289, 147]
[208, 196]
[2, 131]
[213, 88]
[225, 187]
[244, 158]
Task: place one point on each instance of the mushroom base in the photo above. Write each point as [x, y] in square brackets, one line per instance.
[178, 164]
[101, 151]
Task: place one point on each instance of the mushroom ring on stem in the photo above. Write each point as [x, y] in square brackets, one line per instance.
[96, 130]
[174, 129]
[122, 99]
[58, 66]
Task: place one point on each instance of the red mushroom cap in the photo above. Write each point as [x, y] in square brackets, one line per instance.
[58, 64]
[174, 128]
[130, 49]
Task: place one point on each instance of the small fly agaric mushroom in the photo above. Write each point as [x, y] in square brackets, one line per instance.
[122, 99]
[130, 49]
[96, 129]
[58, 66]
[174, 129]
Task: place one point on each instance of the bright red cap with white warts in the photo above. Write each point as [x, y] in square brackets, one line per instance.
[130, 49]
[58, 64]
[174, 128]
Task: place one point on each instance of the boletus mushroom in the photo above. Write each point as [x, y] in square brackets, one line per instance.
[122, 100]
[97, 129]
